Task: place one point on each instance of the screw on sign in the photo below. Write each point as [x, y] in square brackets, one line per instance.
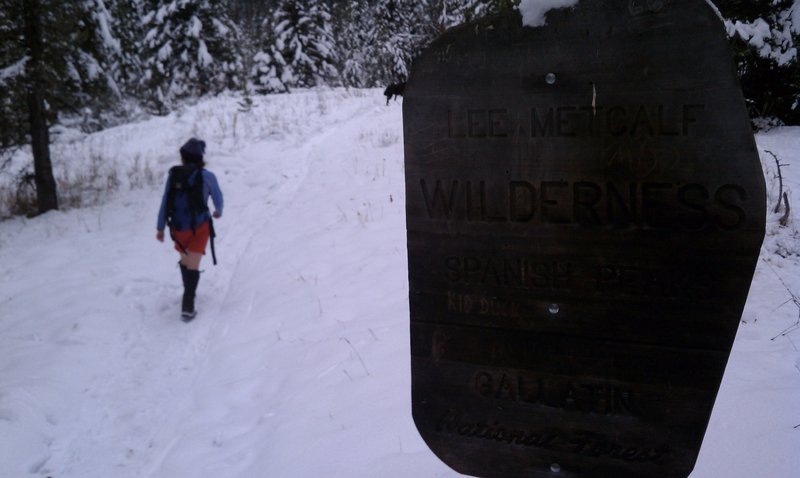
[585, 207]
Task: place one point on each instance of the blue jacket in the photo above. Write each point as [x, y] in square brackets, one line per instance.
[210, 188]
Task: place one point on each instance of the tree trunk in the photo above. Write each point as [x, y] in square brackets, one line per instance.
[40, 135]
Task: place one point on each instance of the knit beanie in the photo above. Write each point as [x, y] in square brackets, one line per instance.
[194, 148]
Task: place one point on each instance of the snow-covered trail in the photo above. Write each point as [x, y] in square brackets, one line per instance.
[288, 329]
[94, 308]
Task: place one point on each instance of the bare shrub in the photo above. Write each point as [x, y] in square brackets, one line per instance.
[140, 174]
[19, 199]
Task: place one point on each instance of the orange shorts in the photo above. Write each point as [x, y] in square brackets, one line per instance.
[192, 241]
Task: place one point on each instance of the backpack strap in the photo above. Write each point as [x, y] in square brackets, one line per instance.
[197, 175]
[212, 235]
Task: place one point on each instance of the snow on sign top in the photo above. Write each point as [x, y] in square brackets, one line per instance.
[533, 11]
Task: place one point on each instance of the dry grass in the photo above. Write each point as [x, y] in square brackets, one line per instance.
[91, 185]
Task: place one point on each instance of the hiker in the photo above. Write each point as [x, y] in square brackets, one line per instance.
[184, 209]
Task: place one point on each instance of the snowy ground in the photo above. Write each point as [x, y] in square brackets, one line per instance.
[298, 364]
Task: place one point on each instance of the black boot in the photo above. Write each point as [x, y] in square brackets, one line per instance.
[189, 288]
[183, 273]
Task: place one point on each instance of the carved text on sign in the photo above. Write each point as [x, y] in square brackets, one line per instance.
[582, 443]
[655, 205]
[555, 392]
[535, 274]
[575, 121]
[484, 306]
[510, 272]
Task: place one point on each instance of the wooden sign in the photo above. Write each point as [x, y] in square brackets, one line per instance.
[585, 208]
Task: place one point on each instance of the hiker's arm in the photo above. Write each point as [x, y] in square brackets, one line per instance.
[162, 213]
[216, 195]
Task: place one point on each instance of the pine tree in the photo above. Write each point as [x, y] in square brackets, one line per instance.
[13, 61]
[355, 33]
[190, 50]
[78, 49]
[377, 40]
[269, 71]
[404, 28]
[94, 54]
[474, 9]
[448, 13]
[249, 16]
[764, 36]
[127, 26]
[27, 76]
[302, 32]
[54, 66]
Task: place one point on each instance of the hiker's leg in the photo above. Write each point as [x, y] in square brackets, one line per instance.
[183, 273]
[190, 265]
[189, 293]
[192, 260]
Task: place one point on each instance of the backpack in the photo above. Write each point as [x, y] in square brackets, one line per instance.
[185, 202]
[185, 199]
